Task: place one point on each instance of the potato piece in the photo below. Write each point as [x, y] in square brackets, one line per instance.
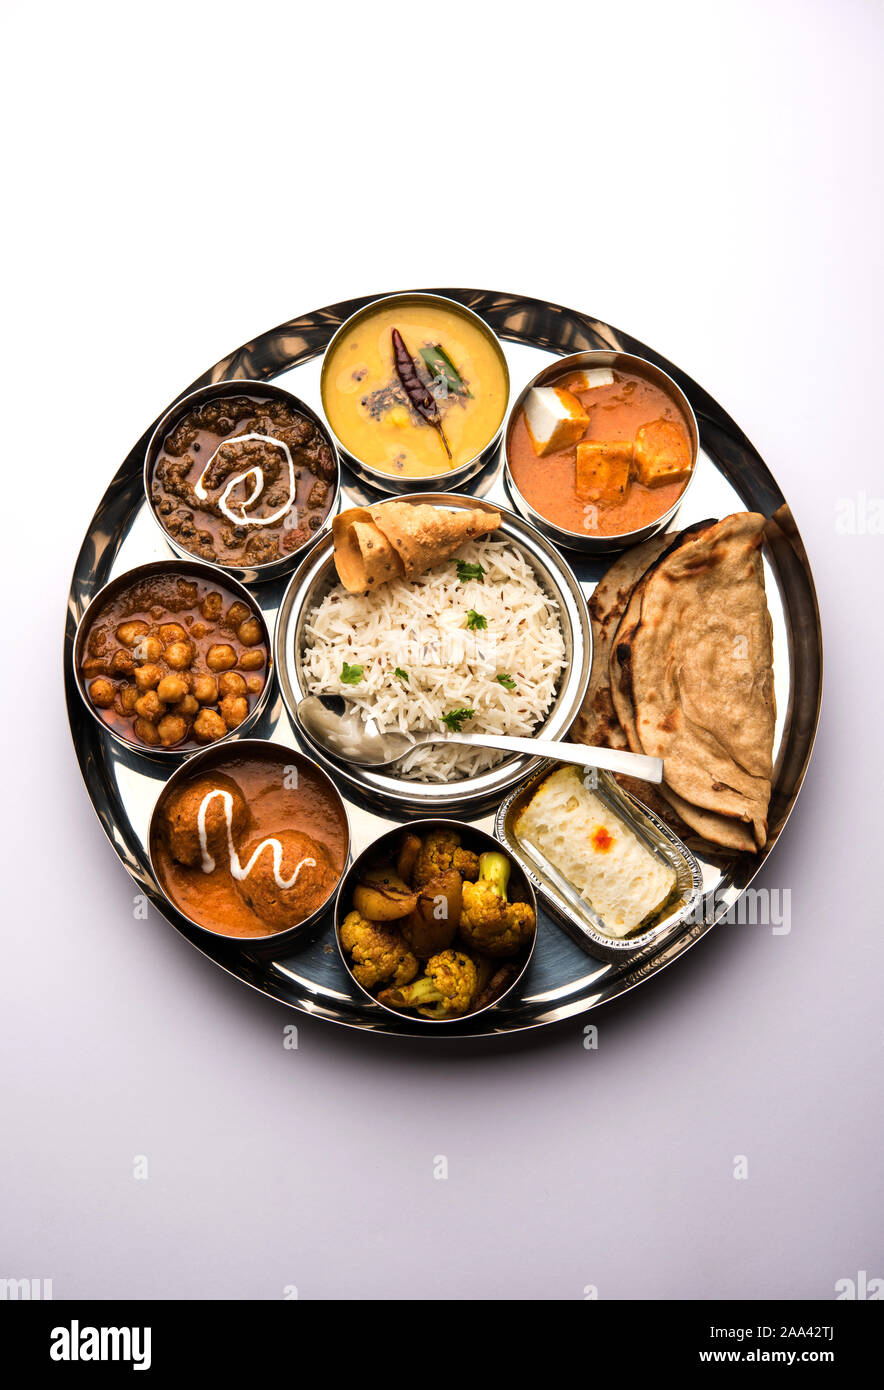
[603, 470]
[433, 924]
[407, 857]
[382, 896]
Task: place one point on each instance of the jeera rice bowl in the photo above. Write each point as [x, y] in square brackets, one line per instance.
[473, 644]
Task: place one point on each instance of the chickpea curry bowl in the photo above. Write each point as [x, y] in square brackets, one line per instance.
[243, 475]
[436, 921]
[249, 842]
[171, 657]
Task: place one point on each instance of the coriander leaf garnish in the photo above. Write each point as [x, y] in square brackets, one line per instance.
[455, 718]
[466, 570]
[475, 620]
[403, 675]
[351, 675]
[506, 681]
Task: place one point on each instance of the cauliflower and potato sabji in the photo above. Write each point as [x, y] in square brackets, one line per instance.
[443, 910]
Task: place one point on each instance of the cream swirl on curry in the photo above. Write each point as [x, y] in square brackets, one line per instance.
[245, 518]
[247, 848]
[237, 870]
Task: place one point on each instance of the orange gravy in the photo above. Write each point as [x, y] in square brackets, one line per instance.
[212, 899]
[615, 412]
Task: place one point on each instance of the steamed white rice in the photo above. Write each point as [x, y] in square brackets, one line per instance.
[420, 626]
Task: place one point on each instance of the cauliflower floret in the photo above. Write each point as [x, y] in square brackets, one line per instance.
[378, 950]
[488, 922]
[446, 991]
[441, 851]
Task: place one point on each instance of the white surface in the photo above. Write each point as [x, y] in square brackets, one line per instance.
[732, 218]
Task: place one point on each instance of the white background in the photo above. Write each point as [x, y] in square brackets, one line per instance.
[180, 177]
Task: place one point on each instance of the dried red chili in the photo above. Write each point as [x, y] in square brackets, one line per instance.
[418, 394]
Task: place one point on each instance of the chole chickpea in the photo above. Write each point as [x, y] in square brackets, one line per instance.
[220, 657]
[170, 675]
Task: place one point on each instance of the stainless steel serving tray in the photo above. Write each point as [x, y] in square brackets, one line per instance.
[563, 981]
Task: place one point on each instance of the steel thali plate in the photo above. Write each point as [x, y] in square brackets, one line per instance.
[563, 981]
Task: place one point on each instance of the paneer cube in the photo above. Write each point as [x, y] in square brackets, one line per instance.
[603, 470]
[555, 419]
[662, 454]
[593, 377]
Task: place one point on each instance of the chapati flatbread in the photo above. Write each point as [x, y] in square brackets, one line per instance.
[692, 678]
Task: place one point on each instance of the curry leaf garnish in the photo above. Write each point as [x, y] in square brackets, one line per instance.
[475, 620]
[403, 675]
[507, 681]
[351, 675]
[439, 364]
[455, 718]
[466, 570]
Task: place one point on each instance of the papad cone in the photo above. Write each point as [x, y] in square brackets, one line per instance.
[364, 557]
[422, 535]
[377, 544]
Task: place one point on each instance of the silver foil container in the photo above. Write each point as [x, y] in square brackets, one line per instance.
[219, 390]
[451, 478]
[591, 542]
[196, 569]
[565, 903]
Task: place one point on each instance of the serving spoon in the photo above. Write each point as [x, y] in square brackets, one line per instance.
[342, 733]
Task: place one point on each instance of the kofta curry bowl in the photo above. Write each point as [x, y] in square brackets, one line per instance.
[415, 389]
[242, 475]
[436, 921]
[249, 843]
[173, 656]
[600, 451]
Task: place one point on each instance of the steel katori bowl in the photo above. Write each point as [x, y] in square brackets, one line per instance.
[220, 759]
[187, 569]
[451, 478]
[316, 577]
[589, 541]
[520, 889]
[221, 390]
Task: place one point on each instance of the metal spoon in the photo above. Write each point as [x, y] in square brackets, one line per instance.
[342, 733]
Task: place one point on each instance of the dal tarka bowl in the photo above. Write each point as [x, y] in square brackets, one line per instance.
[381, 435]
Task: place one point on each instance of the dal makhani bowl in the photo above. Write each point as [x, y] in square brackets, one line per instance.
[600, 450]
[415, 388]
[250, 842]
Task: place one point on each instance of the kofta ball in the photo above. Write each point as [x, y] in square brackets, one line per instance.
[181, 812]
[284, 907]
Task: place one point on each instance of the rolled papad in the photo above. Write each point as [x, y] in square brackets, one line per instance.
[364, 558]
[423, 535]
[394, 539]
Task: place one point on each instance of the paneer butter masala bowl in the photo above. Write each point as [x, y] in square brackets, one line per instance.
[250, 841]
[600, 450]
[436, 921]
[172, 656]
